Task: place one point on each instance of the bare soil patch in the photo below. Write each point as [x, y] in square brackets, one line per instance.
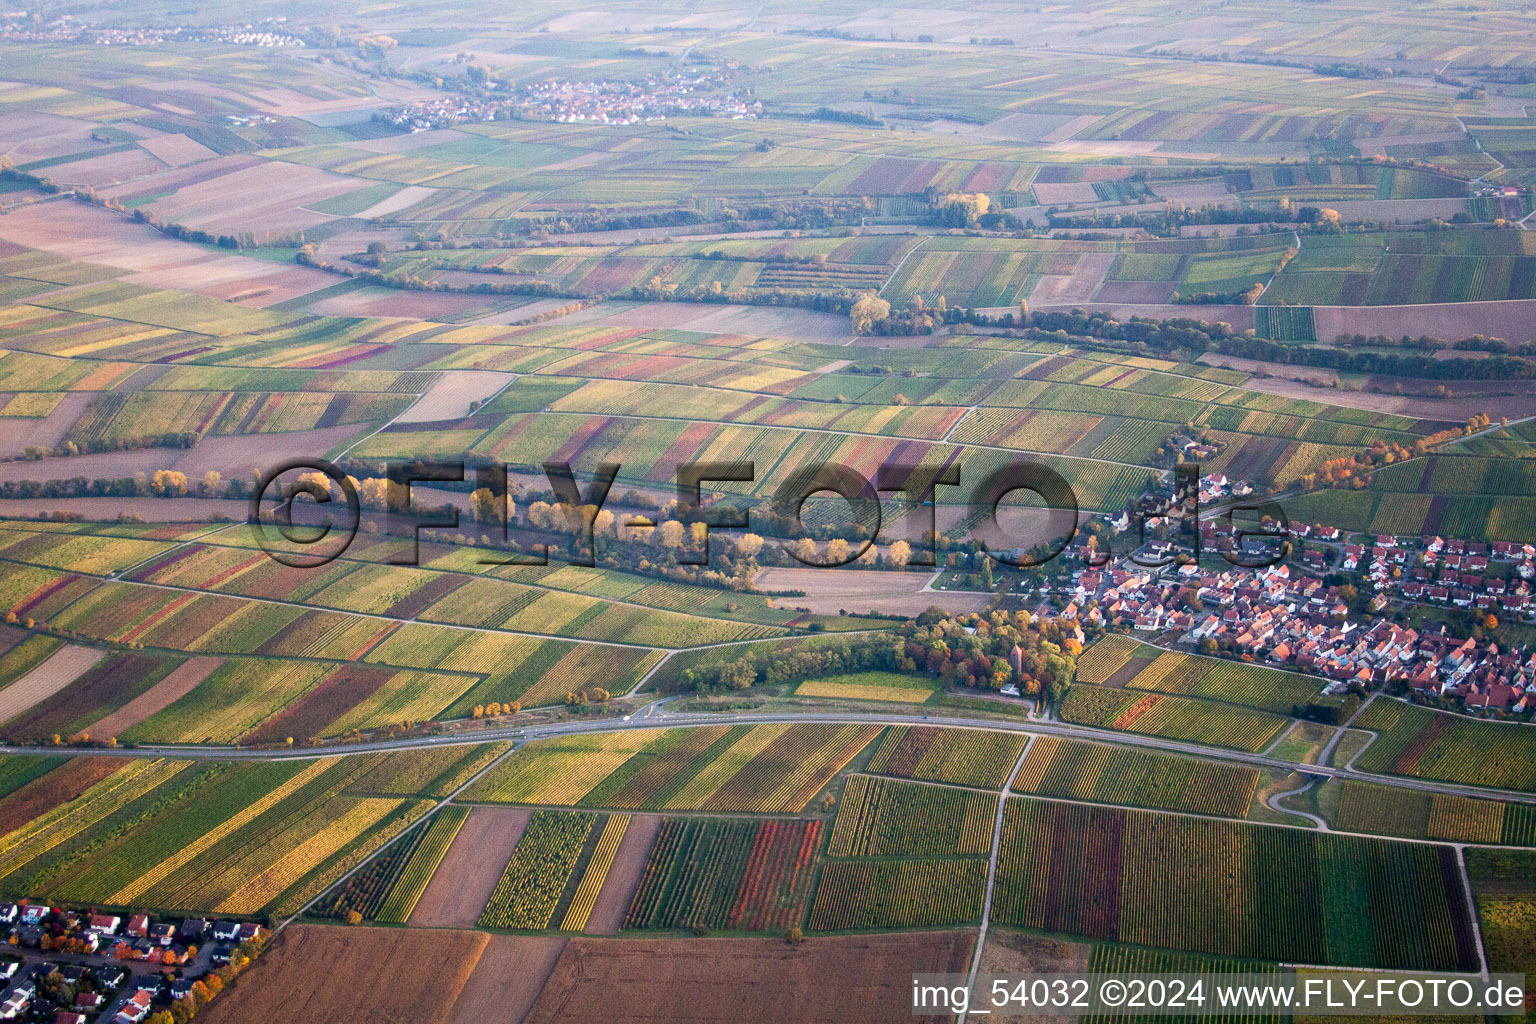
[829, 591]
[66, 665]
[1135, 291]
[623, 876]
[237, 279]
[1062, 193]
[756, 321]
[318, 974]
[182, 681]
[1015, 953]
[177, 150]
[472, 867]
[450, 397]
[509, 976]
[28, 135]
[378, 301]
[106, 169]
[231, 456]
[1464, 402]
[1513, 320]
[17, 435]
[410, 195]
[844, 980]
[1125, 673]
[1079, 286]
[270, 196]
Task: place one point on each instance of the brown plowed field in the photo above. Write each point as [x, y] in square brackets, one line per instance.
[842, 980]
[508, 978]
[471, 868]
[317, 974]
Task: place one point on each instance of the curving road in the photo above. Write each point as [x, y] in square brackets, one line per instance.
[654, 716]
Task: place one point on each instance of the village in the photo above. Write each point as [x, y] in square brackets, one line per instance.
[23, 27]
[73, 967]
[1340, 607]
[651, 98]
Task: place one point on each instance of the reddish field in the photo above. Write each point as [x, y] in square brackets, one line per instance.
[844, 980]
[59, 786]
[471, 868]
[182, 681]
[316, 974]
[105, 684]
[337, 694]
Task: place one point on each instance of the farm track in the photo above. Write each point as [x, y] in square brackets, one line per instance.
[997, 844]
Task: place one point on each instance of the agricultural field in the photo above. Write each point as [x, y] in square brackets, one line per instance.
[1232, 889]
[616, 243]
[763, 769]
[1414, 814]
[730, 874]
[870, 686]
[916, 893]
[228, 838]
[884, 818]
[1231, 682]
[1073, 770]
[962, 757]
[1428, 744]
[538, 872]
[1182, 718]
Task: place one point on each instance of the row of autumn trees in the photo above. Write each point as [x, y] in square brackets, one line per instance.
[988, 651]
[664, 549]
[1355, 470]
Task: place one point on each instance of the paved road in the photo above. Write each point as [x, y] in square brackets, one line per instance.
[658, 718]
[1275, 798]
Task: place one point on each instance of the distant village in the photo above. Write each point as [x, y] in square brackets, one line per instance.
[652, 98]
[74, 967]
[24, 27]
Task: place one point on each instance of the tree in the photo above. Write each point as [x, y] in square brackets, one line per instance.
[377, 248]
[748, 545]
[1491, 622]
[1023, 312]
[671, 534]
[211, 483]
[963, 209]
[168, 483]
[899, 553]
[868, 311]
